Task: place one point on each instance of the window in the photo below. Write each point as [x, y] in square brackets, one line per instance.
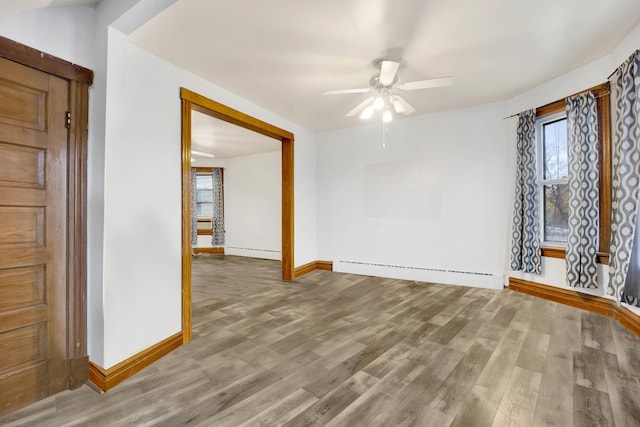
[551, 134]
[204, 195]
[553, 173]
[204, 200]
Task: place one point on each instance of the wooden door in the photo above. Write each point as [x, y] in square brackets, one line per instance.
[33, 235]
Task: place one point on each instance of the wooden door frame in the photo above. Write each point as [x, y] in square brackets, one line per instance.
[79, 79]
[192, 101]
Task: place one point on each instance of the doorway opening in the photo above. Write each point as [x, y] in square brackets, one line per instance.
[192, 101]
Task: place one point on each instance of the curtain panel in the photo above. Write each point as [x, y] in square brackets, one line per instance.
[584, 193]
[623, 272]
[525, 246]
[194, 208]
[217, 238]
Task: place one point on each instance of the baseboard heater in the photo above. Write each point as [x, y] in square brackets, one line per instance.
[252, 249]
[409, 267]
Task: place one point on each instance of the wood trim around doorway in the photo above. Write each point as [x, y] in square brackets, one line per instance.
[192, 101]
[77, 234]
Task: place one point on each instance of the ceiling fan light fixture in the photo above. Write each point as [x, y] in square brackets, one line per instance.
[367, 113]
[387, 116]
[398, 107]
[401, 106]
[378, 104]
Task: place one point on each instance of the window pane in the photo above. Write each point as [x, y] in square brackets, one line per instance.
[205, 210]
[556, 213]
[555, 149]
[204, 182]
[205, 196]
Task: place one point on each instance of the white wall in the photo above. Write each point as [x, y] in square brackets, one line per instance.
[106, 13]
[67, 33]
[253, 205]
[141, 287]
[430, 206]
[208, 163]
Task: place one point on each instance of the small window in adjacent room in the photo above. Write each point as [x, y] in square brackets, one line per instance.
[204, 201]
[553, 178]
[204, 196]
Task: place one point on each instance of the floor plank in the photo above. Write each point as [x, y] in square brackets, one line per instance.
[554, 405]
[518, 403]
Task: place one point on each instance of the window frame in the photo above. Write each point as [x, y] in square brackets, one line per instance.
[542, 182]
[603, 102]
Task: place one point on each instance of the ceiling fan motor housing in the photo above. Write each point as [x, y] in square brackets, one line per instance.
[375, 83]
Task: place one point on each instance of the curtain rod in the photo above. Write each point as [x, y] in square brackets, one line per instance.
[619, 66]
[590, 90]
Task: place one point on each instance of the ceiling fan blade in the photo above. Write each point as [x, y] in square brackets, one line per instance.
[388, 70]
[426, 84]
[358, 108]
[401, 106]
[345, 91]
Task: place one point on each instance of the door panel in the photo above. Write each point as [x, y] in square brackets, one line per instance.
[22, 347]
[21, 226]
[21, 287]
[13, 393]
[21, 167]
[33, 233]
[22, 105]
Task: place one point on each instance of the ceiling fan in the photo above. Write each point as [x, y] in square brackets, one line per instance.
[386, 99]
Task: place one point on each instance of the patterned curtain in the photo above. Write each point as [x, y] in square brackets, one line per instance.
[584, 213]
[217, 238]
[194, 208]
[626, 181]
[525, 246]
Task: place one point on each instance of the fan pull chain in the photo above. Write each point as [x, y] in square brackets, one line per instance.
[385, 128]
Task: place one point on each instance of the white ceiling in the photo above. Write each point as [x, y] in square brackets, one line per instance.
[23, 5]
[281, 54]
[226, 140]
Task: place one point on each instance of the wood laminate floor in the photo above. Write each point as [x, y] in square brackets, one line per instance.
[347, 350]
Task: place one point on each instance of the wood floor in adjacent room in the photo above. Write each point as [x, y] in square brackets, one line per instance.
[348, 350]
